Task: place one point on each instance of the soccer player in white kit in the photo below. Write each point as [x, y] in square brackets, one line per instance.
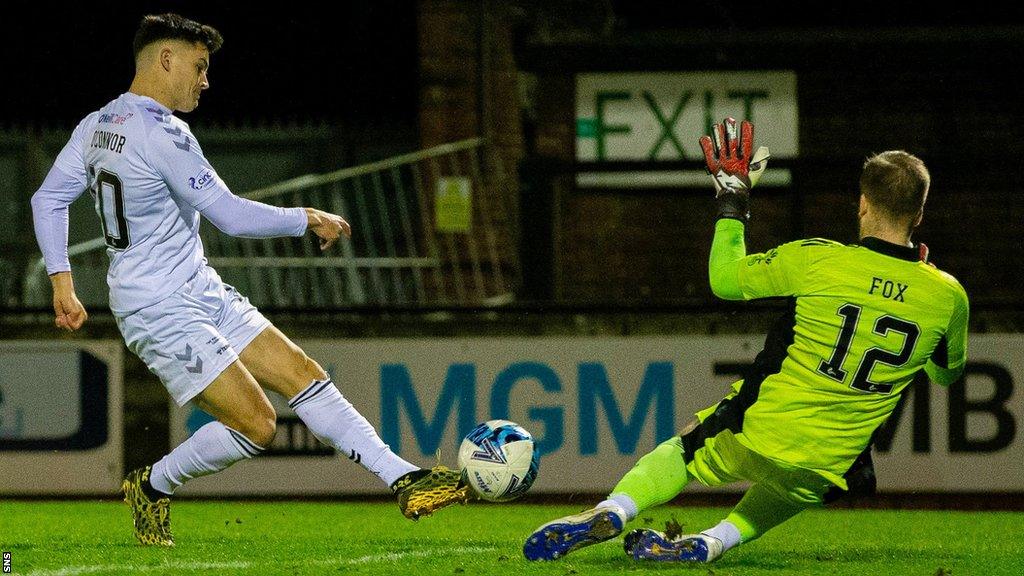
[205, 341]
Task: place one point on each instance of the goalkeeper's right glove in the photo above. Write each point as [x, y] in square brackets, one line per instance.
[734, 167]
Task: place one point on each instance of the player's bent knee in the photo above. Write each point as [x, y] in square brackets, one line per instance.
[262, 430]
[261, 426]
[311, 368]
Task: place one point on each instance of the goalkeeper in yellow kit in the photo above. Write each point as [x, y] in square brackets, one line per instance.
[864, 319]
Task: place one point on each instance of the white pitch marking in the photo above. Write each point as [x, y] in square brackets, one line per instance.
[144, 568]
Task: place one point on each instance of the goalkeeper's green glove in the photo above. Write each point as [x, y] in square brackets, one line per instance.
[734, 167]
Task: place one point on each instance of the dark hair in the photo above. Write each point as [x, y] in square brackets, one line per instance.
[156, 27]
[896, 182]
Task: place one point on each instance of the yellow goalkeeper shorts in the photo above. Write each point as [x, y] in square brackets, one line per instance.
[724, 460]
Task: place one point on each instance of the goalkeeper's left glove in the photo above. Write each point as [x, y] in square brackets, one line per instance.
[734, 167]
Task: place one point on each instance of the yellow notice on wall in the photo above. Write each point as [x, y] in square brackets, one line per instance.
[453, 206]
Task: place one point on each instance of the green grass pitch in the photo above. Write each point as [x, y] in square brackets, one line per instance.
[261, 538]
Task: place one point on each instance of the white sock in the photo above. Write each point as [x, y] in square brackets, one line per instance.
[622, 501]
[335, 422]
[211, 449]
[726, 532]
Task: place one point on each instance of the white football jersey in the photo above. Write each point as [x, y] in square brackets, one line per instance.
[149, 180]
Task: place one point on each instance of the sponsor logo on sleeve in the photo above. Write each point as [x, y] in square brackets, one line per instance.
[765, 258]
[203, 180]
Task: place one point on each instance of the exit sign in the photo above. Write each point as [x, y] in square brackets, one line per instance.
[658, 116]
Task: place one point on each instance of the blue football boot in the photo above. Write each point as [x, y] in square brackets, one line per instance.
[564, 535]
[647, 544]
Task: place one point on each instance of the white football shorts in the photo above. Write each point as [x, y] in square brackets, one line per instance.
[190, 337]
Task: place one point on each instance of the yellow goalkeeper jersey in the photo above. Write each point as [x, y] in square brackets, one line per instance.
[866, 318]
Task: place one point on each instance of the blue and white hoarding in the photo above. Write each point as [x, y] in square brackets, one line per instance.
[60, 417]
[595, 405]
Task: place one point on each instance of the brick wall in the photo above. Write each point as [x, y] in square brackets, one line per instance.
[468, 88]
[951, 104]
[941, 96]
[468, 76]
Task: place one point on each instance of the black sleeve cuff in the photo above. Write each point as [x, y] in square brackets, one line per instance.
[734, 204]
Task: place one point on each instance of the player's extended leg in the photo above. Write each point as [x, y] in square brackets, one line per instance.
[245, 423]
[760, 510]
[654, 479]
[280, 365]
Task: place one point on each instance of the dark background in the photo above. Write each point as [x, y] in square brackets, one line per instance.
[356, 62]
[351, 63]
[943, 82]
[940, 81]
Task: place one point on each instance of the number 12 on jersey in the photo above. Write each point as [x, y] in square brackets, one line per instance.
[885, 324]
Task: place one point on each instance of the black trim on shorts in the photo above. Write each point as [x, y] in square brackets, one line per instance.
[860, 476]
[730, 412]
[860, 479]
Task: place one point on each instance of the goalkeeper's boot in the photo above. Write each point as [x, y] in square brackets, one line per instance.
[564, 535]
[423, 492]
[647, 544]
[152, 519]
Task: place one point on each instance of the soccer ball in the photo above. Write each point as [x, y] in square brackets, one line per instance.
[499, 460]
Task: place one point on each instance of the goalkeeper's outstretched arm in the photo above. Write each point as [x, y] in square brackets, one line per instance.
[728, 250]
[735, 168]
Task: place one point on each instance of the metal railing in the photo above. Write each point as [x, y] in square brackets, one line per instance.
[396, 256]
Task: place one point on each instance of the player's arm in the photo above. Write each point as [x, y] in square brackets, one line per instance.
[191, 178]
[63, 185]
[248, 219]
[736, 275]
[735, 167]
[946, 364]
[728, 250]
